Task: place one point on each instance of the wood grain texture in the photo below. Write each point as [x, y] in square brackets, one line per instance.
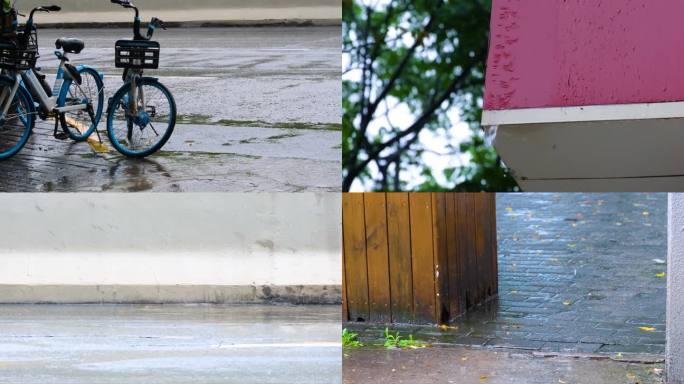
[417, 257]
[399, 247]
[375, 211]
[356, 271]
[422, 257]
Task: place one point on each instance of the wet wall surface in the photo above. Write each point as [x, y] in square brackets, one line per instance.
[258, 110]
[552, 53]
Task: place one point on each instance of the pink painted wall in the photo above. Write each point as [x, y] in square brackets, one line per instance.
[551, 53]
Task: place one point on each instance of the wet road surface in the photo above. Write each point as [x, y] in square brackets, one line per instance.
[461, 365]
[94, 344]
[258, 110]
[578, 273]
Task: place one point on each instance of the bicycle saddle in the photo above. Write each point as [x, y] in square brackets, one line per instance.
[70, 45]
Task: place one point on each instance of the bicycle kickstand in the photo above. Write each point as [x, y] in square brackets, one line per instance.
[91, 113]
[59, 135]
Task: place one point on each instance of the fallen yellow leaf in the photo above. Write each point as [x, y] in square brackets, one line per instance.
[661, 274]
[647, 329]
[98, 147]
[464, 358]
[509, 209]
[572, 245]
[484, 377]
[567, 302]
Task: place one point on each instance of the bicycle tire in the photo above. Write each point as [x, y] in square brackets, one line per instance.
[24, 97]
[98, 113]
[117, 101]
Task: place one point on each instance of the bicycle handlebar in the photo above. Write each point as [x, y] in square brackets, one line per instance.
[44, 8]
[154, 24]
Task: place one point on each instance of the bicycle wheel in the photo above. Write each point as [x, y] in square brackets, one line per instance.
[17, 124]
[144, 132]
[80, 124]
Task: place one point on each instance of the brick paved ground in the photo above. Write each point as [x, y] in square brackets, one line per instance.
[465, 365]
[579, 273]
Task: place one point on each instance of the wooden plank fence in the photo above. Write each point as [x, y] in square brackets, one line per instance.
[417, 257]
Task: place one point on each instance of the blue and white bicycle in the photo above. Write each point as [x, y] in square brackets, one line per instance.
[141, 115]
[75, 101]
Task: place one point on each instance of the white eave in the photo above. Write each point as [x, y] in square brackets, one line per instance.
[616, 112]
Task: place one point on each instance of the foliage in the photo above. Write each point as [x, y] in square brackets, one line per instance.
[398, 341]
[349, 339]
[425, 58]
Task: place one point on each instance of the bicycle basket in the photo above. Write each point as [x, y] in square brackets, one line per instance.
[20, 52]
[137, 54]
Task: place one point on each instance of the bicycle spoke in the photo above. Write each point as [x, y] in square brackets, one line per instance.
[155, 131]
[79, 123]
[153, 119]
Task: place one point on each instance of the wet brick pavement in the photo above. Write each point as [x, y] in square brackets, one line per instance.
[578, 273]
[463, 365]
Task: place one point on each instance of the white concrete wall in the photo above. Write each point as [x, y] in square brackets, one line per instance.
[674, 353]
[79, 11]
[170, 239]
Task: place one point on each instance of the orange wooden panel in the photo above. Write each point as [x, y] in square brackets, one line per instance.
[470, 257]
[377, 257]
[399, 247]
[440, 257]
[356, 273]
[422, 258]
[454, 242]
[345, 309]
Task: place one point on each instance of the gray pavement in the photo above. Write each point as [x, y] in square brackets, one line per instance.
[92, 344]
[258, 111]
[578, 274]
[462, 365]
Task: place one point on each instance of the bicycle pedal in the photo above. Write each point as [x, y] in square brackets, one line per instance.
[61, 135]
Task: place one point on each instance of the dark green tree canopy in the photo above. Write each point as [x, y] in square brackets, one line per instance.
[426, 58]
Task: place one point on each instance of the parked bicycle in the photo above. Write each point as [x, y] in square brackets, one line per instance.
[75, 101]
[141, 115]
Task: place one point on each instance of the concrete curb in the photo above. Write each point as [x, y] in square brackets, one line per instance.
[170, 294]
[206, 24]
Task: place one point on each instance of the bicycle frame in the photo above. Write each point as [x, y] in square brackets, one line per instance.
[133, 77]
[47, 103]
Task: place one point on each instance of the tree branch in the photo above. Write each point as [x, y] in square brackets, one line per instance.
[354, 169]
